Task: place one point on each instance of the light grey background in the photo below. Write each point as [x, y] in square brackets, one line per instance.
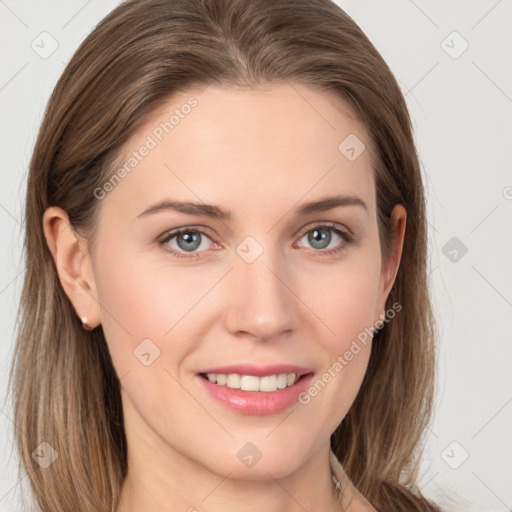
[462, 111]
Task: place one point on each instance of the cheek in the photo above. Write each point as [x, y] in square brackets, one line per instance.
[347, 309]
[133, 305]
[345, 306]
[343, 297]
[149, 298]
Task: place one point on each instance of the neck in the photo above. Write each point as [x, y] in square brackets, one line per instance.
[184, 485]
[347, 492]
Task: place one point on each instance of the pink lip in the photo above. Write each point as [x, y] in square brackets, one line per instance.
[256, 402]
[258, 371]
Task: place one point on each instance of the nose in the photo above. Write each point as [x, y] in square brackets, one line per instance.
[261, 299]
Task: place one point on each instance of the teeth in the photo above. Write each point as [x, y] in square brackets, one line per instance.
[251, 383]
[222, 379]
[233, 381]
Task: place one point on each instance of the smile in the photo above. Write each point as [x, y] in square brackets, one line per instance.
[268, 383]
[274, 393]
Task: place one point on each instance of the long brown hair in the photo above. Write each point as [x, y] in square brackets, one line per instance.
[66, 392]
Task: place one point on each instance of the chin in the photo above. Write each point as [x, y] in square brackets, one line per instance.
[257, 460]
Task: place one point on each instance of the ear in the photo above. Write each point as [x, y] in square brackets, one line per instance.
[390, 267]
[73, 264]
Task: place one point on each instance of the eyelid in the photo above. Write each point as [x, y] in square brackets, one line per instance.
[302, 231]
[325, 224]
[171, 232]
[346, 234]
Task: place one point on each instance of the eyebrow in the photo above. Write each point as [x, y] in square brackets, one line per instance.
[215, 212]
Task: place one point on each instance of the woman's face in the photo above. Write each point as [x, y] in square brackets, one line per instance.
[271, 283]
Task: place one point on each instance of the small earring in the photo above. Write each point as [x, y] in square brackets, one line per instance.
[85, 325]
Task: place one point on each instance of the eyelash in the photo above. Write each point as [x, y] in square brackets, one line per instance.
[346, 236]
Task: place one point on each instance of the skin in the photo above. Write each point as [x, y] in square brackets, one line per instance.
[258, 153]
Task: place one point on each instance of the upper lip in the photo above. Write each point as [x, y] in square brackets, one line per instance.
[258, 371]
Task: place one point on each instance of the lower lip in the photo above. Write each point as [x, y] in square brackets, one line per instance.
[257, 402]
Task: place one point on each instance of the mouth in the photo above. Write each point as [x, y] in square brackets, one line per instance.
[253, 383]
[254, 395]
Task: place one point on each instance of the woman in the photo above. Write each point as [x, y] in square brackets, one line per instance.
[225, 304]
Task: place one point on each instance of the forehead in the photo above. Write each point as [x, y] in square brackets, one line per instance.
[246, 147]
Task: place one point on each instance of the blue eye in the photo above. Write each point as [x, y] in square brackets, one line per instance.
[188, 241]
[321, 236]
